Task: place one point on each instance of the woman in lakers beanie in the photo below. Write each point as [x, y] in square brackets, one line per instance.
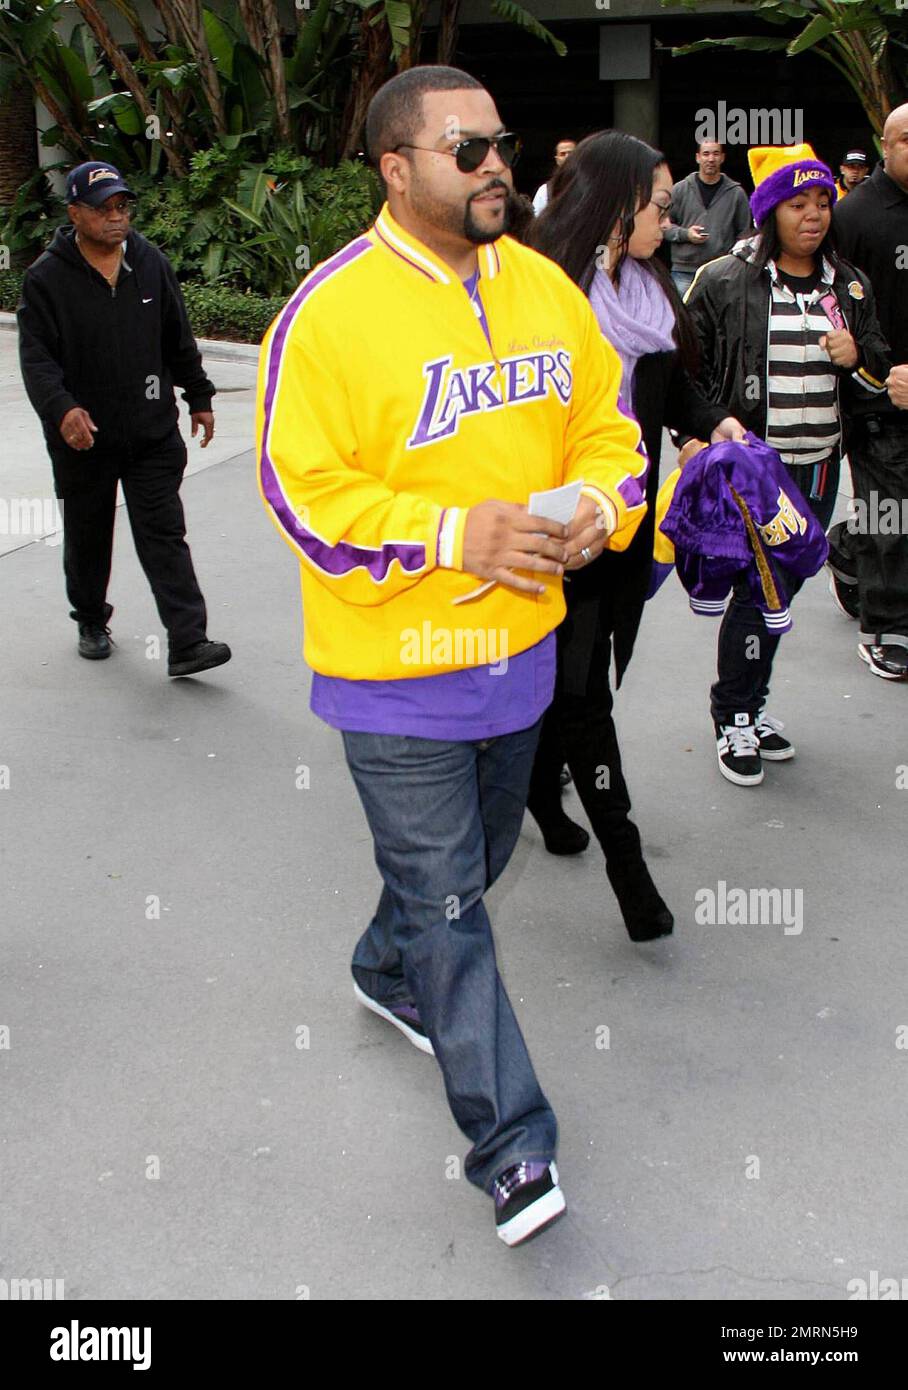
[789, 341]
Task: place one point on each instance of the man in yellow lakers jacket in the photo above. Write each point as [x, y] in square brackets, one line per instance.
[413, 393]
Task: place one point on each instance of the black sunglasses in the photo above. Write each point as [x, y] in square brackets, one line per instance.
[471, 152]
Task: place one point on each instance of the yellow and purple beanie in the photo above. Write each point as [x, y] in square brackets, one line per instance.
[781, 171]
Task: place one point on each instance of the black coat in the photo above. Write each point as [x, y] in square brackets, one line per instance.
[729, 303]
[612, 591]
[872, 229]
[118, 353]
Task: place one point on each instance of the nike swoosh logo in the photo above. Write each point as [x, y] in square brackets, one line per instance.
[147, 301]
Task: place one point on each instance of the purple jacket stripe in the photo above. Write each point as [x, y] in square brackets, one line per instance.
[633, 490]
[342, 558]
[385, 242]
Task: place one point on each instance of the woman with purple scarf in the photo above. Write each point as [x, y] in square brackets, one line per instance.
[610, 202]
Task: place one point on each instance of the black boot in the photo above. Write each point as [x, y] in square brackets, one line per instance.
[560, 834]
[645, 914]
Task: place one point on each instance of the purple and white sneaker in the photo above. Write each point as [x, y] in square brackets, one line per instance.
[403, 1016]
[527, 1199]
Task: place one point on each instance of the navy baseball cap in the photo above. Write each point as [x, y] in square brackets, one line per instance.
[94, 183]
[855, 157]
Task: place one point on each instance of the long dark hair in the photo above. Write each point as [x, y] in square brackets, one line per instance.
[604, 182]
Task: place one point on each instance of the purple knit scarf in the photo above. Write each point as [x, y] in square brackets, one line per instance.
[637, 317]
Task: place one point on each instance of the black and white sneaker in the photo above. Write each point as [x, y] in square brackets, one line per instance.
[773, 747]
[844, 596]
[889, 661]
[403, 1016]
[738, 749]
[527, 1199]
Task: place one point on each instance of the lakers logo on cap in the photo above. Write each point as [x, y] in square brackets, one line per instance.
[807, 176]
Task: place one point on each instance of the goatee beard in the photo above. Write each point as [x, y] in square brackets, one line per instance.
[474, 233]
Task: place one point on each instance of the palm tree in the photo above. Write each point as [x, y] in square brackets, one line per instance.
[390, 34]
[18, 137]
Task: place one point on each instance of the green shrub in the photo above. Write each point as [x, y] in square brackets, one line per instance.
[27, 223]
[10, 286]
[216, 311]
[256, 227]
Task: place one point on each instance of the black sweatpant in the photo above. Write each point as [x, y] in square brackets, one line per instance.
[871, 548]
[151, 478]
[746, 646]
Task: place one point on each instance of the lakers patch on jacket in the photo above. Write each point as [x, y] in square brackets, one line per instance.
[734, 511]
[385, 412]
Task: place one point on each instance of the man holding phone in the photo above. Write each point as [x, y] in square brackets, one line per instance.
[709, 212]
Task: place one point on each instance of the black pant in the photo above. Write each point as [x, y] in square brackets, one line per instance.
[578, 729]
[871, 548]
[151, 478]
[746, 647]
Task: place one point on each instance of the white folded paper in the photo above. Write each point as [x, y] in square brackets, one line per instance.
[555, 504]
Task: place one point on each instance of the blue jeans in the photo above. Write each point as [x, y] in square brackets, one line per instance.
[444, 819]
[683, 280]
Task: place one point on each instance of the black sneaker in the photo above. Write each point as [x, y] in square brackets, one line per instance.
[527, 1199]
[202, 657]
[773, 747]
[738, 749]
[94, 641]
[844, 596]
[889, 660]
[403, 1016]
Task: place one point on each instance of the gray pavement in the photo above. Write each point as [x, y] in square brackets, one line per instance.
[176, 909]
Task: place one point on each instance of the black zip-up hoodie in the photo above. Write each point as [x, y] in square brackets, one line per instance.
[116, 352]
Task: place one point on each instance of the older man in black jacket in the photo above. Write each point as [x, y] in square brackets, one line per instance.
[103, 340]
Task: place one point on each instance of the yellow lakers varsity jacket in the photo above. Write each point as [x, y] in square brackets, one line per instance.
[383, 415]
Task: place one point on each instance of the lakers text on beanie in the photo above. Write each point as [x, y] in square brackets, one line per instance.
[781, 171]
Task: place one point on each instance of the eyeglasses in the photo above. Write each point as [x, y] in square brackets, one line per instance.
[471, 152]
[110, 208]
[664, 208]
